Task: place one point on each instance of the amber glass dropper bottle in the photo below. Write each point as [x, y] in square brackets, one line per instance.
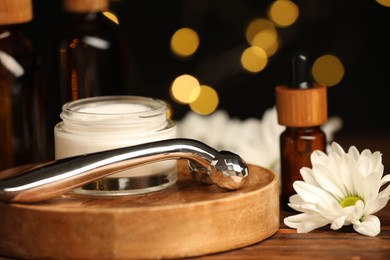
[302, 108]
[89, 56]
[92, 52]
[22, 126]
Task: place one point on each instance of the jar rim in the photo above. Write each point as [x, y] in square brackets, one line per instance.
[83, 108]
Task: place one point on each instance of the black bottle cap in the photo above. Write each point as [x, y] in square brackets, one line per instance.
[300, 71]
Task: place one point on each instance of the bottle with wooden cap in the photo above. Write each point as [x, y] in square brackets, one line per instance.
[22, 126]
[302, 108]
[89, 56]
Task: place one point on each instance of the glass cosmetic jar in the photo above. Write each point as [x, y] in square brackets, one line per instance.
[107, 122]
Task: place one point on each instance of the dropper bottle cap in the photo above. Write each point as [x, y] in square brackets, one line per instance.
[15, 11]
[301, 103]
[85, 6]
[300, 71]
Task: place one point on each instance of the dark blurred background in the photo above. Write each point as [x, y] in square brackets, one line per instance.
[356, 31]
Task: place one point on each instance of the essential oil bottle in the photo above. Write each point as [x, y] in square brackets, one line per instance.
[302, 108]
[22, 125]
[89, 55]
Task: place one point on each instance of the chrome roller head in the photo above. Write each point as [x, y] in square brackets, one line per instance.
[226, 170]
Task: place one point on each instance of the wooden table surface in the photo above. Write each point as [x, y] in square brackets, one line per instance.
[325, 243]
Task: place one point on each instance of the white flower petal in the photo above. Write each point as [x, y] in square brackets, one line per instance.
[367, 183]
[385, 192]
[333, 162]
[359, 179]
[377, 164]
[298, 207]
[338, 222]
[336, 148]
[354, 212]
[370, 189]
[370, 226]
[296, 199]
[293, 221]
[379, 202]
[364, 166]
[329, 209]
[366, 153]
[305, 223]
[344, 169]
[318, 157]
[385, 179]
[376, 205]
[354, 153]
[311, 193]
[305, 207]
[307, 176]
[311, 222]
[329, 181]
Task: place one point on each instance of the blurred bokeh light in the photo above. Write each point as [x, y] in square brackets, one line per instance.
[328, 70]
[254, 59]
[185, 89]
[184, 42]
[384, 2]
[207, 101]
[283, 12]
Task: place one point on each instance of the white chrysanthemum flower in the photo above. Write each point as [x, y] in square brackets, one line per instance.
[340, 189]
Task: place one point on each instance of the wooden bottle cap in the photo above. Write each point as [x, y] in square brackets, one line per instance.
[301, 107]
[83, 6]
[15, 11]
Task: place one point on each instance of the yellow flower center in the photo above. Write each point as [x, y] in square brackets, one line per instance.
[349, 201]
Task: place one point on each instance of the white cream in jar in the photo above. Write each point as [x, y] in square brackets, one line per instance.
[107, 122]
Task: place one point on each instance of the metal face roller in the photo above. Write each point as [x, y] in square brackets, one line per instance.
[40, 182]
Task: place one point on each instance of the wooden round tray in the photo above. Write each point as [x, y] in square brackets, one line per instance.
[187, 219]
